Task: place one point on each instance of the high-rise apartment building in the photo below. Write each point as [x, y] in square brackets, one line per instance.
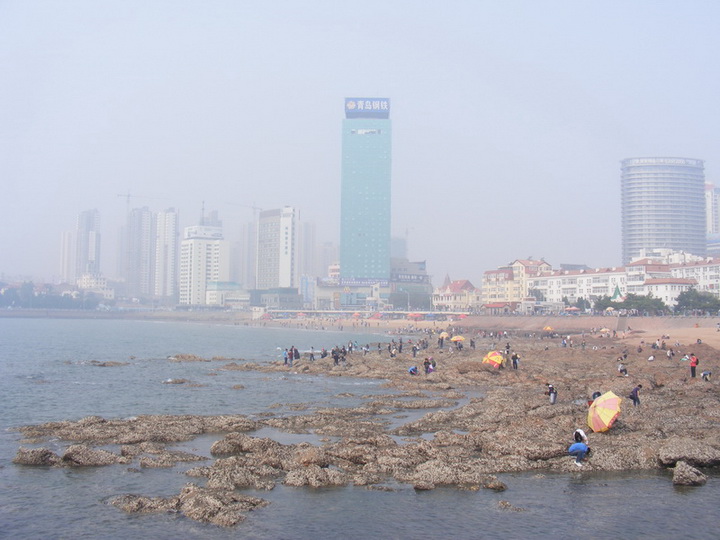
[87, 244]
[248, 255]
[307, 250]
[67, 257]
[166, 254]
[365, 191]
[663, 206]
[139, 271]
[276, 248]
[204, 258]
[712, 209]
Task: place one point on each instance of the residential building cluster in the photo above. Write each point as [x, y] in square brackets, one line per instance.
[531, 287]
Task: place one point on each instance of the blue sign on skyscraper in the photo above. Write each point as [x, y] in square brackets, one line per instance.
[367, 108]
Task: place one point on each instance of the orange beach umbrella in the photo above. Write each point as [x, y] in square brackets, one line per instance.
[603, 412]
[494, 358]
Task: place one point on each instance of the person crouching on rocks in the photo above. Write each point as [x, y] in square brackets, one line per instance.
[580, 436]
[579, 450]
[413, 370]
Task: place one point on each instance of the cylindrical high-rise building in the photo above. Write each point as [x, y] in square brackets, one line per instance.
[663, 206]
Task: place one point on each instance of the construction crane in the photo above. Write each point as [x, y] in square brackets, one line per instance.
[127, 197]
[252, 206]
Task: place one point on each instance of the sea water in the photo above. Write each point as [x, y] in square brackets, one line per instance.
[47, 373]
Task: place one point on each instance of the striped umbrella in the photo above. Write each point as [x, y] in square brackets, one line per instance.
[493, 358]
[603, 412]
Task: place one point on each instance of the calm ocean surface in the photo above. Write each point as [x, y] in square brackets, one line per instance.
[46, 374]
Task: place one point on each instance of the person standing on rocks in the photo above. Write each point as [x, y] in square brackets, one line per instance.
[515, 359]
[693, 364]
[635, 395]
[552, 392]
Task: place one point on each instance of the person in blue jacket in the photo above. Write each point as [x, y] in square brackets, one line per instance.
[579, 450]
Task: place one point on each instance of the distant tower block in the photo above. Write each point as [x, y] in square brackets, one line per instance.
[663, 205]
[365, 190]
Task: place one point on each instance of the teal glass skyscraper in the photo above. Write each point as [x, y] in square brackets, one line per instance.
[365, 191]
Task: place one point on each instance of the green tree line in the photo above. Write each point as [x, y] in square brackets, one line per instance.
[25, 296]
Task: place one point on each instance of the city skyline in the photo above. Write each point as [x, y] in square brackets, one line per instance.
[510, 119]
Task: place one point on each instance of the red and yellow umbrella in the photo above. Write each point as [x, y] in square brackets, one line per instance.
[494, 358]
[457, 338]
[603, 412]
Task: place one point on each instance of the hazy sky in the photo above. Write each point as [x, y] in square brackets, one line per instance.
[509, 117]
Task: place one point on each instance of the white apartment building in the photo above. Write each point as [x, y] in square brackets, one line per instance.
[668, 289]
[276, 248]
[575, 284]
[706, 274]
[639, 271]
[97, 285]
[204, 257]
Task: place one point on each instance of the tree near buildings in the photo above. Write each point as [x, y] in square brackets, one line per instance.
[537, 294]
[582, 303]
[695, 300]
[633, 303]
[644, 304]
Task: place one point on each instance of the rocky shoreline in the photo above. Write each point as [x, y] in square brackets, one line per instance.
[479, 422]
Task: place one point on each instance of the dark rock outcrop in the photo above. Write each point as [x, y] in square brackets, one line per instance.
[223, 508]
[41, 457]
[80, 455]
[685, 475]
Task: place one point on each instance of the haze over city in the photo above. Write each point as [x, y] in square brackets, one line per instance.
[509, 118]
